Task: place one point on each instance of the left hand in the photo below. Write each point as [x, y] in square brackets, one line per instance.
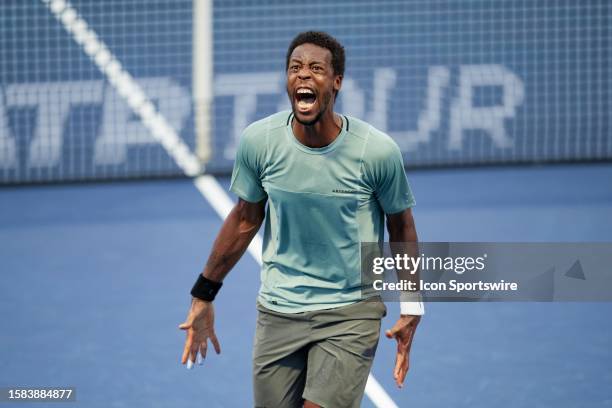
[403, 332]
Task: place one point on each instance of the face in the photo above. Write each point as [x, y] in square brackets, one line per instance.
[311, 83]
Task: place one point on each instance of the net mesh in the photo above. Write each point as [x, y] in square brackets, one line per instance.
[61, 118]
[453, 82]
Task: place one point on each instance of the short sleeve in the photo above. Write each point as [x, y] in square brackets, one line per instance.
[389, 178]
[246, 176]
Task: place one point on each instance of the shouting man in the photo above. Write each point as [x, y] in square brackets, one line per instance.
[329, 181]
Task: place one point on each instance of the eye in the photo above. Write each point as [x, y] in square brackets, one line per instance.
[317, 68]
[294, 68]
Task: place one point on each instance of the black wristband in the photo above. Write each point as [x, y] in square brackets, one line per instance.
[205, 289]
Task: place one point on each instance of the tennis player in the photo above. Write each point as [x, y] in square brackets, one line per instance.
[329, 181]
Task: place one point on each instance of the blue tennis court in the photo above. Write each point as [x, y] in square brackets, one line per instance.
[110, 110]
[96, 278]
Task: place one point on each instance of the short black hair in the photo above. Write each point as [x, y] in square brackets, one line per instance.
[322, 40]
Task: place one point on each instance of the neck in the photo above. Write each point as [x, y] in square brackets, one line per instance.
[320, 134]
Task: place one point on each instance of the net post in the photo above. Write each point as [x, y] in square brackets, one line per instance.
[202, 76]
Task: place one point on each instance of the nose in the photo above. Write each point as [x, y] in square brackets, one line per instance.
[304, 73]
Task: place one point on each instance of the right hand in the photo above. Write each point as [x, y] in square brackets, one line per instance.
[200, 328]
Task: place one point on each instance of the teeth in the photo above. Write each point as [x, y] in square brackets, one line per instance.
[306, 100]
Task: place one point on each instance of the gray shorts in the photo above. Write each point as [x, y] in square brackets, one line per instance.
[323, 356]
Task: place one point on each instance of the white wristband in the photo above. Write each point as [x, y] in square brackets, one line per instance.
[411, 304]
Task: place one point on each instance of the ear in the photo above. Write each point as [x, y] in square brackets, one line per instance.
[338, 82]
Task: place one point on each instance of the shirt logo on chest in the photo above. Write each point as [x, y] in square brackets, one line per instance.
[342, 191]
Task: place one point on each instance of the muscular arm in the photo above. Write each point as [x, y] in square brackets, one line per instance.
[401, 227]
[403, 239]
[233, 239]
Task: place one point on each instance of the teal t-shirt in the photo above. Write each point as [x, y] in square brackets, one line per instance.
[322, 203]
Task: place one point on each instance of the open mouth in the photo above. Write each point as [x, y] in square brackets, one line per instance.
[305, 98]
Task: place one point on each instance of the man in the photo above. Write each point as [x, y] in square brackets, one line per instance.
[328, 180]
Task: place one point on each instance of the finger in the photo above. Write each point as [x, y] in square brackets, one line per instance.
[203, 349]
[202, 352]
[398, 364]
[396, 371]
[199, 359]
[187, 324]
[192, 358]
[188, 343]
[400, 372]
[401, 376]
[404, 371]
[193, 353]
[402, 362]
[215, 342]
[396, 377]
[405, 366]
[394, 331]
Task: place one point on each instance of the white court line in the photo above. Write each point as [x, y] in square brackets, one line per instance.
[162, 131]
[125, 85]
[222, 203]
[377, 394]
